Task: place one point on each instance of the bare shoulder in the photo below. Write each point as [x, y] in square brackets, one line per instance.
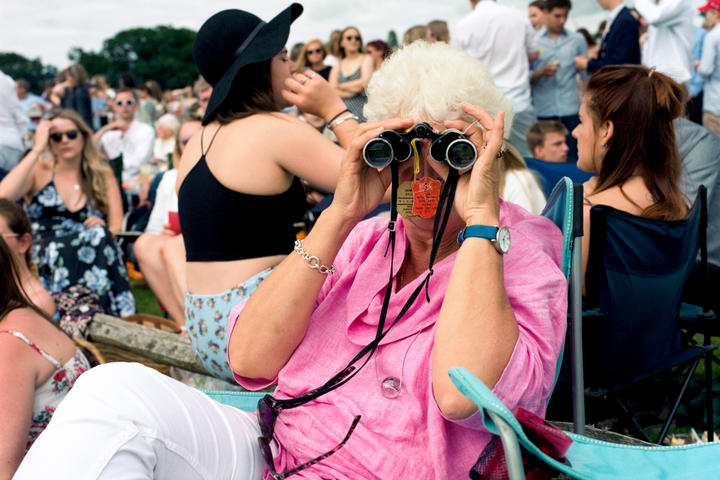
[26, 322]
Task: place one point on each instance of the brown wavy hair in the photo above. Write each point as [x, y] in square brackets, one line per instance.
[14, 296]
[641, 103]
[94, 171]
[18, 221]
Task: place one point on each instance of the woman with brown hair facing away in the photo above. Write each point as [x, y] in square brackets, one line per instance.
[74, 206]
[351, 75]
[38, 366]
[626, 136]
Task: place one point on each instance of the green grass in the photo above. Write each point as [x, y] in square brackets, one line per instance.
[145, 300]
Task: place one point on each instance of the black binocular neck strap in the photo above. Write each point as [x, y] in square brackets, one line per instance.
[446, 201]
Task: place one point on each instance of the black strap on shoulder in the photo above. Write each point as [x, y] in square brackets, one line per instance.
[202, 134]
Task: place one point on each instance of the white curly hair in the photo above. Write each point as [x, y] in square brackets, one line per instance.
[428, 82]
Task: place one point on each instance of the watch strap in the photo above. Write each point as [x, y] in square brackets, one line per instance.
[481, 231]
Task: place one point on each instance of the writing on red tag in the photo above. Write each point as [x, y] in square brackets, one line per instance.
[426, 196]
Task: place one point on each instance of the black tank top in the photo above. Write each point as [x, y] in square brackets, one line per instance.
[220, 224]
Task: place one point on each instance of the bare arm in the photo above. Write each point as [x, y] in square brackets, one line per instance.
[307, 154]
[273, 334]
[115, 211]
[17, 371]
[20, 180]
[476, 327]
[359, 85]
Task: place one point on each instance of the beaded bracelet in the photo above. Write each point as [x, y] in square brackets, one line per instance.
[313, 261]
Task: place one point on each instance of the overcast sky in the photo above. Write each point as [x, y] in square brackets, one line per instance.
[48, 28]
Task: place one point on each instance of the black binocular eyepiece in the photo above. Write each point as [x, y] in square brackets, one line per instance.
[449, 146]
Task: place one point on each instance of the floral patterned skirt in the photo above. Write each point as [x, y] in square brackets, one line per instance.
[69, 253]
[206, 318]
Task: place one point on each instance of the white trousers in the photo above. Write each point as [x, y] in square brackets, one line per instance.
[126, 421]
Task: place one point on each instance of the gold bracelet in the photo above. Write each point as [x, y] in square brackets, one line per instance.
[313, 261]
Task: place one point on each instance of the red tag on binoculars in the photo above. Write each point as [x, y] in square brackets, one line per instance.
[426, 196]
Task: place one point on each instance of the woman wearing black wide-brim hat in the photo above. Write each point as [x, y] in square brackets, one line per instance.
[239, 182]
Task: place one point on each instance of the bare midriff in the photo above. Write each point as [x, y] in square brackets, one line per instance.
[208, 278]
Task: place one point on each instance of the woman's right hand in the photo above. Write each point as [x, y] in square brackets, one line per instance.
[42, 135]
[360, 188]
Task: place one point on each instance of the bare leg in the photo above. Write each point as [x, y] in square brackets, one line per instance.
[173, 253]
[148, 250]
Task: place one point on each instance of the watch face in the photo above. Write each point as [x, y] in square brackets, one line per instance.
[503, 239]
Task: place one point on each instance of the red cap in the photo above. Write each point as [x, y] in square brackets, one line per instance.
[711, 4]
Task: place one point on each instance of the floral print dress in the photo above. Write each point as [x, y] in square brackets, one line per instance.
[67, 252]
[49, 395]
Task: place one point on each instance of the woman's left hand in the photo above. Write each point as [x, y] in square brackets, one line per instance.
[477, 194]
[93, 221]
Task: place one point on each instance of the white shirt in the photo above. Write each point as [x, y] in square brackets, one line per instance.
[522, 188]
[669, 42]
[136, 147]
[13, 121]
[500, 37]
[163, 147]
[166, 200]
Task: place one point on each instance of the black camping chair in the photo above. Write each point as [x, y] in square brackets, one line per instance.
[637, 268]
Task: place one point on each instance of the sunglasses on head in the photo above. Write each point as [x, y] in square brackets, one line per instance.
[353, 37]
[128, 102]
[317, 50]
[58, 136]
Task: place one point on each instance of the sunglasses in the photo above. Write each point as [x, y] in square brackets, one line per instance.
[317, 50]
[353, 37]
[129, 102]
[58, 136]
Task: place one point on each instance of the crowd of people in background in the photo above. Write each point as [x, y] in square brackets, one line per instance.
[84, 161]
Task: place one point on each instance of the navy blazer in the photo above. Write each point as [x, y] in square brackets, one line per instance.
[621, 44]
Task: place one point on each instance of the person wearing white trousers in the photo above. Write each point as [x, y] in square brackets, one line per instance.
[127, 421]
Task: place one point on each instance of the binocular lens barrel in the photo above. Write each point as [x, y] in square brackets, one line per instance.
[461, 154]
[378, 153]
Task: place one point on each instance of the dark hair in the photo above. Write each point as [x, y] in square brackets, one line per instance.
[17, 221]
[641, 103]
[126, 90]
[537, 4]
[381, 46]
[550, 4]
[537, 132]
[251, 93]
[153, 89]
[127, 80]
[14, 296]
[588, 38]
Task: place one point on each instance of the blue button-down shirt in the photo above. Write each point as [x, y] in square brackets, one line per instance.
[557, 96]
[697, 83]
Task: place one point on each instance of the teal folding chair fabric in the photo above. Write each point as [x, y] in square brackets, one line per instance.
[564, 208]
[246, 401]
[588, 458]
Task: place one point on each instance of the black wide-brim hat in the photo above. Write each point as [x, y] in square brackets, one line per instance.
[232, 39]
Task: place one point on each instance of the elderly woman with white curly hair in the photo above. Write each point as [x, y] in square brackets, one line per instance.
[359, 326]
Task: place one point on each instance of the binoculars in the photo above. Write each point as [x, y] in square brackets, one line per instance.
[449, 146]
